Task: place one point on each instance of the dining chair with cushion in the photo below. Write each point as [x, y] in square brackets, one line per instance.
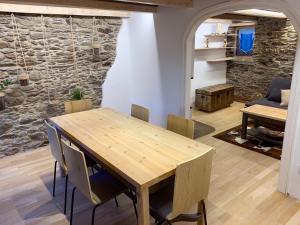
[181, 126]
[189, 187]
[78, 106]
[57, 153]
[99, 188]
[140, 112]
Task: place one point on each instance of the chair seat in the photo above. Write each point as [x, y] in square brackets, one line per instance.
[161, 202]
[105, 187]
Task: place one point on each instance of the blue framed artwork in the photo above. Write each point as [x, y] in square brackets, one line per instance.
[245, 43]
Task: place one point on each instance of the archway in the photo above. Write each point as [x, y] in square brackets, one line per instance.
[289, 145]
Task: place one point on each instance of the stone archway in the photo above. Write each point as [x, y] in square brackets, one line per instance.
[292, 127]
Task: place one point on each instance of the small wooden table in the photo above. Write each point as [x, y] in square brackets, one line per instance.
[265, 115]
[139, 152]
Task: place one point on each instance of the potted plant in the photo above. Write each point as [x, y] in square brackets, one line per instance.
[3, 85]
[77, 103]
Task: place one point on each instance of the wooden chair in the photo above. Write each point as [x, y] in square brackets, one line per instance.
[78, 106]
[140, 112]
[181, 126]
[57, 153]
[189, 187]
[98, 188]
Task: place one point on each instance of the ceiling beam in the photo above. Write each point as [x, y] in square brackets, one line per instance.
[230, 16]
[57, 10]
[180, 3]
[89, 4]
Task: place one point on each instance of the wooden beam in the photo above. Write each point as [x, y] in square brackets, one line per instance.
[181, 3]
[230, 16]
[90, 4]
[56, 10]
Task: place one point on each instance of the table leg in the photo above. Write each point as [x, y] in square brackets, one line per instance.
[143, 206]
[200, 210]
[244, 126]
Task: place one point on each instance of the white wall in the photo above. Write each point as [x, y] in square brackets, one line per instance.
[135, 75]
[206, 74]
[161, 60]
[116, 88]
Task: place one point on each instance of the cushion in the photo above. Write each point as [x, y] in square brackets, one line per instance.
[275, 95]
[285, 97]
[279, 83]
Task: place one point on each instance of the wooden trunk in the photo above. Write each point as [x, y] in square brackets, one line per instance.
[2, 102]
[214, 97]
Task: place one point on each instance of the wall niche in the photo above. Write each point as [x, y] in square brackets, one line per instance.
[273, 56]
[47, 43]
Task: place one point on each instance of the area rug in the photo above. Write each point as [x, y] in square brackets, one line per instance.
[270, 146]
[202, 129]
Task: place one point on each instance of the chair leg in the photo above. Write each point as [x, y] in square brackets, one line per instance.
[72, 206]
[134, 205]
[116, 201]
[66, 194]
[204, 212]
[54, 179]
[93, 215]
[93, 171]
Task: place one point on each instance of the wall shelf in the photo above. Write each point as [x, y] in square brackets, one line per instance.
[220, 59]
[219, 35]
[204, 49]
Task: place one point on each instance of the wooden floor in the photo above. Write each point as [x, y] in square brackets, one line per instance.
[243, 187]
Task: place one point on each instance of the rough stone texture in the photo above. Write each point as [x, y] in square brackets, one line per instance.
[21, 123]
[273, 56]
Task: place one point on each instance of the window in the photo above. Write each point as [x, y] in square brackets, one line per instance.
[245, 41]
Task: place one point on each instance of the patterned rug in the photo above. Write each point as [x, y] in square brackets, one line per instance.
[259, 139]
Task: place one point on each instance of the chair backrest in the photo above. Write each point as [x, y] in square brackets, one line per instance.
[55, 145]
[192, 182]
[77, 171]
[181, 126]
[78, 106]
[140, 112]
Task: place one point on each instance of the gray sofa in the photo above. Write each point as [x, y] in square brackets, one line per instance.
[273, 96]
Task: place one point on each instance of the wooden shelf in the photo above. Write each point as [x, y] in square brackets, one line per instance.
[204, 49]
[219, 35]
[220, 59]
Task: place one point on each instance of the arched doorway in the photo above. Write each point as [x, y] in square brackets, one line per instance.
[291, 125]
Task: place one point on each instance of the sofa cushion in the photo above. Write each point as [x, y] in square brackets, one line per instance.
[279, 83]
[266, 102]
[275, 95]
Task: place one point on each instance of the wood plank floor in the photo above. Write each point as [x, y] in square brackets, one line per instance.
[243, 187]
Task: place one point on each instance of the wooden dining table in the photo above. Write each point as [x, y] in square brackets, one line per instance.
[141, 153]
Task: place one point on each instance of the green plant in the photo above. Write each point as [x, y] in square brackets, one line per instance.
[5, 84]
[77, 94]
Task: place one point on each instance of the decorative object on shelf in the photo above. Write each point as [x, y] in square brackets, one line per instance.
[207, 43]
[78, 104]
[23, 77]
[4, 86]
[219, 28]
[2, 101]
[225, 43]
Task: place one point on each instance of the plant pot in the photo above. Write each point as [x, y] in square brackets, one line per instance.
[96, 45]
[24, 79]
[2, 101]
[78, 105]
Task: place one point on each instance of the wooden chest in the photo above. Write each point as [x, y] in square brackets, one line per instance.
[214, 97]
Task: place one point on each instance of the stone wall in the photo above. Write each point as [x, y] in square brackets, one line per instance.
[21, 123]
[274, 56]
